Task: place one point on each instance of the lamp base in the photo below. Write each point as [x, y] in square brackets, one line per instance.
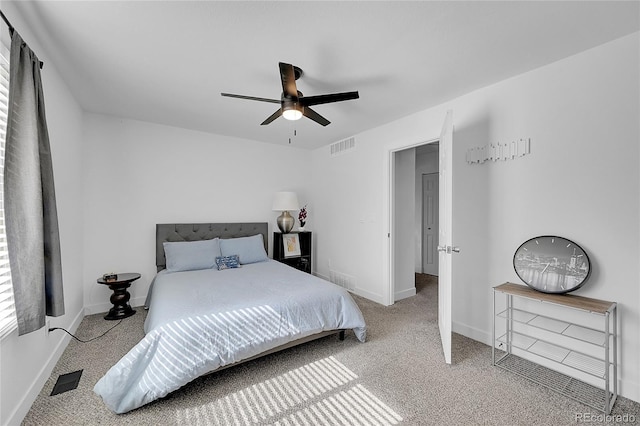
[285, 222]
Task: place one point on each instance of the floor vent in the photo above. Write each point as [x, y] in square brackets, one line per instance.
[66, 382]
[343, 280]
[343, 146]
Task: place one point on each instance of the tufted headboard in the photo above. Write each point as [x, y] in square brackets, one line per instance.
[204, 231]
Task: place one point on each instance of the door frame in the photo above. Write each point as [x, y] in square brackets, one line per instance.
[389, 255]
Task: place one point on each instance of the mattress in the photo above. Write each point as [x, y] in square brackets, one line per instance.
[202, 320]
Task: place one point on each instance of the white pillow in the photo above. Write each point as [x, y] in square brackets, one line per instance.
[249, 249]
[191, 255]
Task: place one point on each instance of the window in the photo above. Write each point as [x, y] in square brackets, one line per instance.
[7, 308]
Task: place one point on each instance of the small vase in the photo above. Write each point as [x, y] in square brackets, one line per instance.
[301, 229]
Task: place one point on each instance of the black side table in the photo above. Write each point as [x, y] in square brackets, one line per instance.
[302, 262]
[120, 297]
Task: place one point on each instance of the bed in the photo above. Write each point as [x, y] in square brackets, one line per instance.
[206, 316]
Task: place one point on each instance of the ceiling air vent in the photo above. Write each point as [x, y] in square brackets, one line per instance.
[343, 146]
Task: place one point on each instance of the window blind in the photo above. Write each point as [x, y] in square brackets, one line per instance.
[7, 307]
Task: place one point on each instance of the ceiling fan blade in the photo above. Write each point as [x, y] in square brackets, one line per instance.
[251, 98]
[325, 99]
[309, 113]
[272, 117]
[288, 77]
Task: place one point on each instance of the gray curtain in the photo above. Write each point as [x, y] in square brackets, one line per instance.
[30, 201]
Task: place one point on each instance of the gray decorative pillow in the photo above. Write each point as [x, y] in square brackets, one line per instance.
[249, 249]
[191, 255]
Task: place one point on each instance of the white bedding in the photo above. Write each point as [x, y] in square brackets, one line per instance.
[201, 320]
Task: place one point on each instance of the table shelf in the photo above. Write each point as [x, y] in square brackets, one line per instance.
[561, 383]
[301, 262]
[542, 322]
[564, 345]
[551, 351]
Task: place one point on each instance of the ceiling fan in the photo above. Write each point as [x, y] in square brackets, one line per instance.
[293, 105]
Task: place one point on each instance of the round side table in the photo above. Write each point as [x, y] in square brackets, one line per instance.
[120, 297]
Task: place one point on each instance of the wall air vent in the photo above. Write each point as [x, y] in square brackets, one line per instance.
[343, 146]
[342, 279]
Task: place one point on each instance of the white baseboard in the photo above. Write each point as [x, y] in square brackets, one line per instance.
[360, 292]
[104, 307]
[472, 333]
[20, 412]
[399, 295]
[320, 276]
[630, 390]
[371, 296]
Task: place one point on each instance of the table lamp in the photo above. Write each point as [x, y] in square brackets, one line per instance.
[284, 202]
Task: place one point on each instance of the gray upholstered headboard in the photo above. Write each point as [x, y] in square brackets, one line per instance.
[204, 231]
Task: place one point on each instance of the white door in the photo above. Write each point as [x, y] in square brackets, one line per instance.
[445, 246]
[430, 223]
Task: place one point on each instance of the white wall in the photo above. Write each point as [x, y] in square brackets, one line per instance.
[581, 181]
[27, 361]
[139, 174]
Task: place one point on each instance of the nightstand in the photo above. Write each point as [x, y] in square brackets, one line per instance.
[120, 297]
[302, 262]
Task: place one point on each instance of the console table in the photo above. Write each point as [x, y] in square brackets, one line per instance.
[559, 340]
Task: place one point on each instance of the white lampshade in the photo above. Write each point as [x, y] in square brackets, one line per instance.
[285, 201]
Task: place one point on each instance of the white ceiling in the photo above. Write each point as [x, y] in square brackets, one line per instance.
[167, 61]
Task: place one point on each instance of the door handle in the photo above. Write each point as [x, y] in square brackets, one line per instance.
[449, 249]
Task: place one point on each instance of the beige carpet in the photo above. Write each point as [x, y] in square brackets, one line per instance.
[397, 377]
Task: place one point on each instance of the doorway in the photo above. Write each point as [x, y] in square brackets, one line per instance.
[445, 229]
[414, 249]
[427, 207]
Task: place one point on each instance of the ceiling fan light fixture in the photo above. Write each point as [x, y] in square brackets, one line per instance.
[292, 113]
[293, 105]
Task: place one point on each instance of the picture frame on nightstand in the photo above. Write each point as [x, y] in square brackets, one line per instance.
[291, 245]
